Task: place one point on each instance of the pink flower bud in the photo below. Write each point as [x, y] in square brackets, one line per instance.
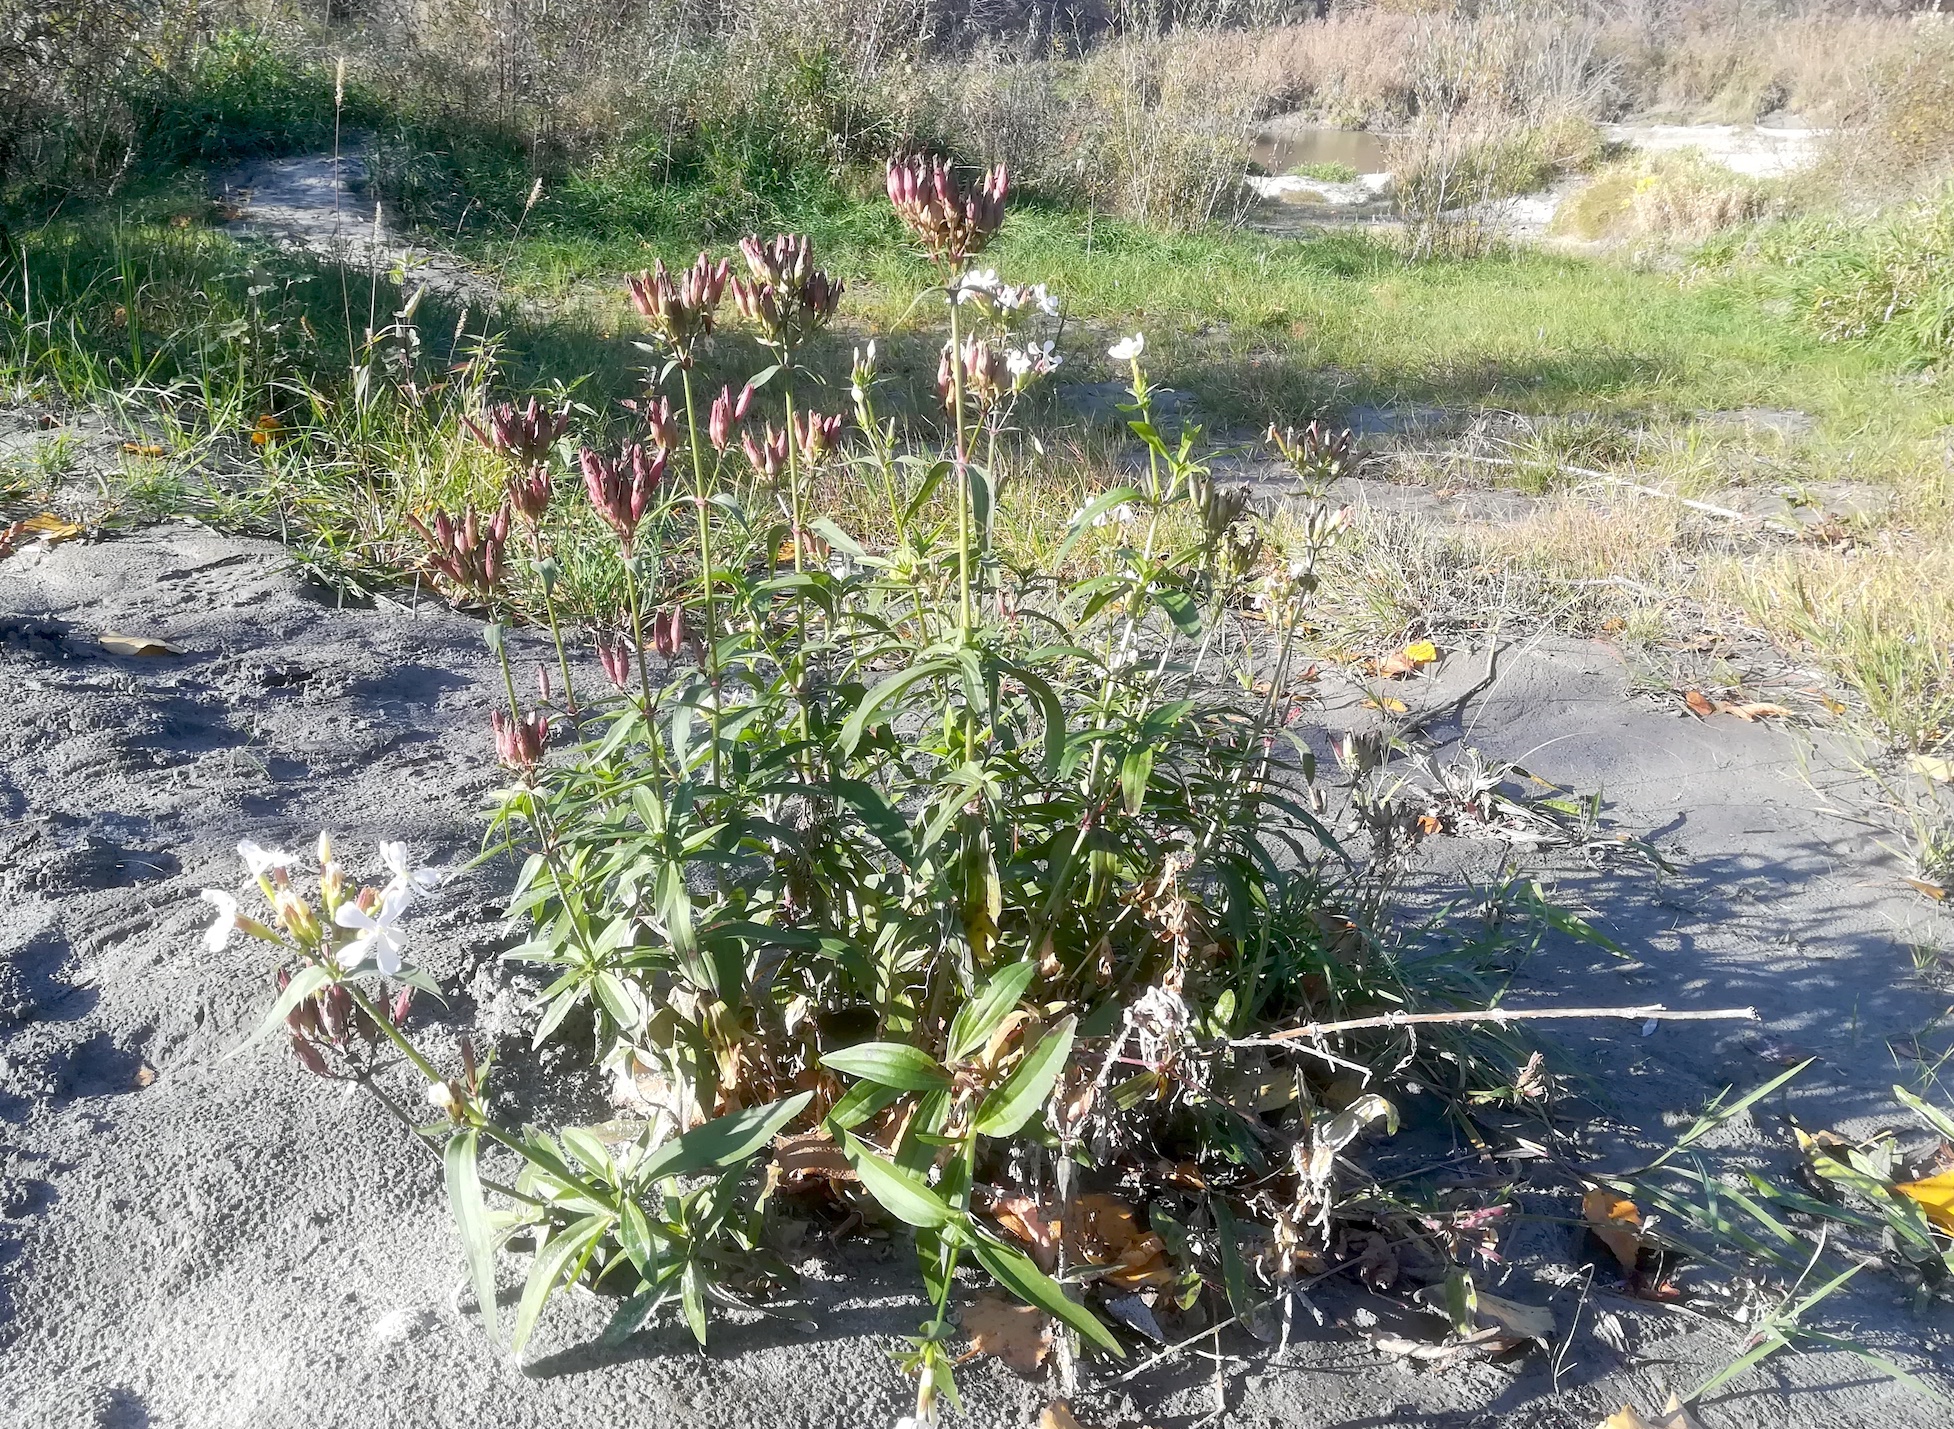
[309, 1057]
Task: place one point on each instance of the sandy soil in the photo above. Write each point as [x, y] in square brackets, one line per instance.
[190, 1240]
[197, 1241]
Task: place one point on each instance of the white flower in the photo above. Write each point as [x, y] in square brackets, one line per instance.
[218, 935]
[1127, 349]
[394, 855]
[261, 860]
[976, 284]
[379, 936]
[1047, 301]
[1122, 513]
[1019, 362]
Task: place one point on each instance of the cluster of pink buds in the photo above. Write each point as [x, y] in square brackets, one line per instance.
[527, 493]
[681, 307]
[520, 741]
[769, 454]
[623, 487]
[986, 372]
[727, 413]
[525, 434]
[668, 631]
[661, 422]
[787, 298]
[466, 551]
[330, 1018]
[614, 652]
[816, 436]
[1317, 452]
[951, 221]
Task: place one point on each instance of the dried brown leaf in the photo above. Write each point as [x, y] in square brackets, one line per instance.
[1020, 1335]
[1700, 704]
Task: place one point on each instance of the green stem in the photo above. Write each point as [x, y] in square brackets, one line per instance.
[700, 491]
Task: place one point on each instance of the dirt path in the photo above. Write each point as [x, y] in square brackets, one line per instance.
[324, 206]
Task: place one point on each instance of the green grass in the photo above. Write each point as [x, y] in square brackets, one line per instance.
[1328, 171]
[198, 335]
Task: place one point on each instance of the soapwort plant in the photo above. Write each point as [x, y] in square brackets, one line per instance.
[985, 879]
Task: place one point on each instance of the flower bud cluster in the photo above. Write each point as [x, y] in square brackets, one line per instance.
[986, 372]
[952, 221]
[520, 740]
[816, 437]
[680, 306]
[466, 552]
[727, 413]
[768, 454]
[787, 297]
[526, 434]
[614, 653]
[1316, 453]
[623, 487]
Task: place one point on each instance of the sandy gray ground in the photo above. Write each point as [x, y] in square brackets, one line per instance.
[192, 1241]
[232, 1243]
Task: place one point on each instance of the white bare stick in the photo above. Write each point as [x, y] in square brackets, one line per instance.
[1607, 478]
[1653, 1013]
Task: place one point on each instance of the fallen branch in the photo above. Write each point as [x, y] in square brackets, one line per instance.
[1609, 479]
[1655, 1013]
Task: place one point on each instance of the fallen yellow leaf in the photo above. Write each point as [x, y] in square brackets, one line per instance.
[1616, 1223]
[1390, 704]
[1935, 1196]
[1929, 766]
[1058, 1415]
[142, 449]
[1673, 1416]
[1934, 891]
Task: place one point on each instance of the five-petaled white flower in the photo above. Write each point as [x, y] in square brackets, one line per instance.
[393, 853]
[975, 284]
[261, 860]
[1121, 514]
[380, 937]
[1129, 348]
[218, 935]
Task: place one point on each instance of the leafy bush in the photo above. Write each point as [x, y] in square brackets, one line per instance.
[241, 92]
[978, 877]
[1887, 278]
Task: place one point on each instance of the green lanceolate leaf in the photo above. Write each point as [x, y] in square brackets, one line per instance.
[547, 1272]
[903, 1195]
[305, 982]
[979, 1017]
[1008, 1107]
[1234, 1274]
[692, 1297]
[634, 1234]
[722, 1141]
[860, 1102]
[1017, 1273]
[1134, 772]
[1181, 608]
[885, 693]
[471, 1217]
[889, 1064]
